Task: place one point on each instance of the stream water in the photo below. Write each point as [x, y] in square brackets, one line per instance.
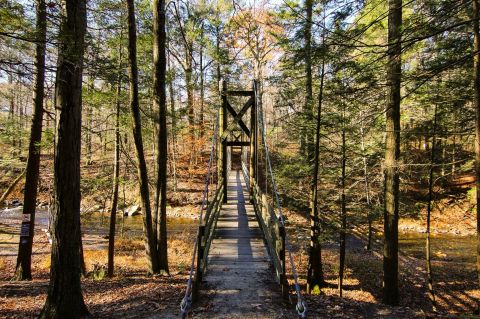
[94, 225]
[447, 247]
[132, 226]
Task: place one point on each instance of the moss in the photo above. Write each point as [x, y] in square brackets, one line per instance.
[471, 194]
[316, 290]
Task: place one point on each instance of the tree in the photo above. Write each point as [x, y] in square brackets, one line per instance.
[64, 298]
[343, 210]
[307, 138]
[476, 104]
[24, 259]
[188, 23]
[429, 210]
[160, 103]
[315, 278]
[116, 168]
[253, 33]
[150, 240]
[392, 154]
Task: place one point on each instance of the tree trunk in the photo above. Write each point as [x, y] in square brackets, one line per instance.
[202, 86]
[476, 103]
[190, 106]
[12, 107]
[173, 132]
[431, 293]
[160, 103]
[150, 239]
[343, 215]
[64, 299]
[392, 155]
[83, 266]
[116, 168]
[217, 50]
[89, 115]
[308, 106]
[443, 145]
[88, 134]
[454, 146]
[367, 186]
[24, 259]
[315, 279]
[11, 97]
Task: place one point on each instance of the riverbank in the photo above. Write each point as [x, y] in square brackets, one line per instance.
[453, 266]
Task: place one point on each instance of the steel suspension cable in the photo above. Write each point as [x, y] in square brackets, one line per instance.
[186, 303]
[301, 306]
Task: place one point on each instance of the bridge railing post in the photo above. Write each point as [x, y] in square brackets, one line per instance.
[281, 255]
[253, 144]
[210, 226]
[200, 261]
[223, 125]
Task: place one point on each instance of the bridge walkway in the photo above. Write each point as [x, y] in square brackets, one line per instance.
[239, 281]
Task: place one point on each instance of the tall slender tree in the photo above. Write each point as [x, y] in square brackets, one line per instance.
[476, 104]
[150, 238]
[307, 136]
[343, 212]
[366, 181]
[428, 254]
[116, 166]
[392, 154]
[315, 278]
[64, 298]
[24, 259]
[160, 104]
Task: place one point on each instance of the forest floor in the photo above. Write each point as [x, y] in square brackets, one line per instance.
[454, 276]
[134, 294]
[130, 294]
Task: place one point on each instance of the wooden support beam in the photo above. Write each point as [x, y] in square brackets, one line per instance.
[239, 93]
[253, 146]
[235, 115]
[237, 118]
[220, 132]
[236, 143]
[223, 146]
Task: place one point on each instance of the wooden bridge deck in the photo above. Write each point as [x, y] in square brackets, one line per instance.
[239, 282]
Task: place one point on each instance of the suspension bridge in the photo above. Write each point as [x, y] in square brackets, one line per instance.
[241, 252]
